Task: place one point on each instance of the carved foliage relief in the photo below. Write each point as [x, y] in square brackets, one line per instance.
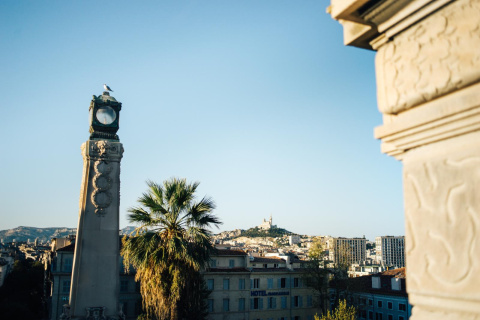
[433, 57]
[442, 209]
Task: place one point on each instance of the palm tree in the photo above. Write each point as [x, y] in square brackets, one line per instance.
[170, 245]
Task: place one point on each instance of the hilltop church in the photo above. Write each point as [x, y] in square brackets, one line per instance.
[267, 225]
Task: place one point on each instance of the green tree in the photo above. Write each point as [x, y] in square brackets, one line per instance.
[170, 246]
[342, 312]
[22, 292]
[339, 271]
[317, 274]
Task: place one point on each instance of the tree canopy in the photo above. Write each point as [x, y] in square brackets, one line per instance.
[170, 246]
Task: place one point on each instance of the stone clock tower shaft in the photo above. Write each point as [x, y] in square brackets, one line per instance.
[95, 278]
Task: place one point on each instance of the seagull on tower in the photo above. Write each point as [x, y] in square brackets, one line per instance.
[107, 88]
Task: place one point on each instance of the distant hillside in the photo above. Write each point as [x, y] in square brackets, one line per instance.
[273, 232]
[22, 234]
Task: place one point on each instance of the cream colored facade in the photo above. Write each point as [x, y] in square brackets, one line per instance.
[391, 250]
[257, 288]
[352, 249]
[428, 89]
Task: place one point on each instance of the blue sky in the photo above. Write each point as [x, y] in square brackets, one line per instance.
[260, 101]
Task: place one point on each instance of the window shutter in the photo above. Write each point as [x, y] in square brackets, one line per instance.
[274, 303]
[251, 304]
[300, 302]
[279, 283]
[251, 283]
[260, 303]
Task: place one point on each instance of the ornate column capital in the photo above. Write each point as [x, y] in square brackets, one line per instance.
[102, 150]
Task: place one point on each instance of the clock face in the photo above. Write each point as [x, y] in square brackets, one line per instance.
[106, 115]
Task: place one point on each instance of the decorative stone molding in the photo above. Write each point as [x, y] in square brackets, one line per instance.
[101, 196]
[66, 312]
[96, 313]
[434, 57]
[428, 86]
[441, 183]
[102, 150]
[455, 114]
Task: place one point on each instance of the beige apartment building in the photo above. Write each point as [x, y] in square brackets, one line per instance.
[267, 288]
[353, 250]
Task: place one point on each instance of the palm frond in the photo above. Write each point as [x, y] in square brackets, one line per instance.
[172, 243]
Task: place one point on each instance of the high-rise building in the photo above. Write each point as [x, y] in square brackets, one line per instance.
[391, 250]
[347, 250]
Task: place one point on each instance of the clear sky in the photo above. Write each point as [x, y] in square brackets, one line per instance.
[259, 101]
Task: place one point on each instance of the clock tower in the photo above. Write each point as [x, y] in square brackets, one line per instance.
[95, 278]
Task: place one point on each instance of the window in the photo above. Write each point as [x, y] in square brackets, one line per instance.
[362, 314]
[271, 303]
[241, 284]
[401, 318]
[309, 301]
[241, 304]
[226, 284]
[297, 301]
[370, 315]
[283, 282]
[67, 265]
[265, 265]
[297, 318]
[231, 263]
[379, 303]
[378, 316]
[210, 284]
[256, 283]
[402, 307]
[210, 305]
[370, 302]
[123, 285]
[137, 287]
[226, 304]
[389, 305]
[213, 263]
[390, 317]
[284, 302]
[66, 286]
[270, 283]
[256, 303]
[295, 282]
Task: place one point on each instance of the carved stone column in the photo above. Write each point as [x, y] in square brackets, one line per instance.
[428, 87]
[95, 279]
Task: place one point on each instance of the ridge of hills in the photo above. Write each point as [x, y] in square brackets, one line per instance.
[23, 233]
[254, 232]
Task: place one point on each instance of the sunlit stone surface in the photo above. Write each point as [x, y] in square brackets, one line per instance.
[428, 74]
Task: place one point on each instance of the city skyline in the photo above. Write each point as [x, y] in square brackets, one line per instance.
[259, 102]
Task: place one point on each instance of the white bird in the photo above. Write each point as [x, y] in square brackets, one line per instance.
[107, 88]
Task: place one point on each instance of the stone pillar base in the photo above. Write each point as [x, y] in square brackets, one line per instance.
[92, 313]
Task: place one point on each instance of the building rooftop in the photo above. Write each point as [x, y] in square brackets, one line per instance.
[229, 252]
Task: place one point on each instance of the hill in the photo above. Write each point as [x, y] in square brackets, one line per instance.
[22, 233]
[255, 232]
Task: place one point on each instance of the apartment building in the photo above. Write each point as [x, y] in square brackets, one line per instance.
[347, 250]
[391, 250]
[265, 288]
